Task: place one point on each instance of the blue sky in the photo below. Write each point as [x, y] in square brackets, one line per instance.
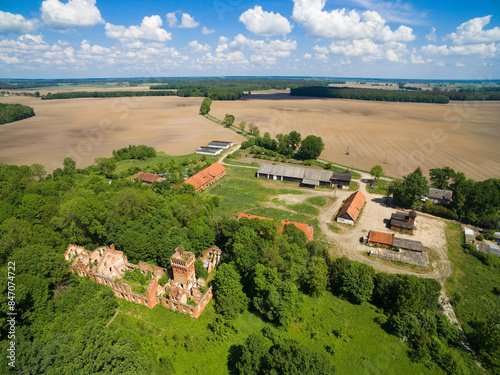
[353, 38]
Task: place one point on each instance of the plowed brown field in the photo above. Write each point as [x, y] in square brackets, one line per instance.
[84, 129]
[398, 136]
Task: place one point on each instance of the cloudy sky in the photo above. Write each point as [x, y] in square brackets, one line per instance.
[443, 39]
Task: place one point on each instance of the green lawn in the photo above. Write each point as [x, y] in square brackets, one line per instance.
[317, 201]
[380, 189]
[241, 191]
[305, 209]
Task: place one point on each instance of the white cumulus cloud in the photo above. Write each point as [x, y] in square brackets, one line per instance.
[16, 23]
[263, 51]
[417, 59]
[485, 50]
[432, 36]
[187, 22]
[171, 19]
[194, 46]
[471, 32]
[150, 29]
[205, 30]
[265, 23]
[75, 13]
[339, 24]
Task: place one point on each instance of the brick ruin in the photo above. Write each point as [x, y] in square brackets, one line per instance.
[107, 266]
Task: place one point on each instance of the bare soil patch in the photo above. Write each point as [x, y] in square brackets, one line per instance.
[398, 136]
[84, 129]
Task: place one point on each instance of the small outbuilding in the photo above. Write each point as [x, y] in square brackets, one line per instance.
[403, 222]
[349, 212]
[341, 180]
[469, 236]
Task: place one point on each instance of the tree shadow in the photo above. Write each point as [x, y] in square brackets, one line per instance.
[234, 355]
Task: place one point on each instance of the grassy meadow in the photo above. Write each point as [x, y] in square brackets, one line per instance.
[326, 324]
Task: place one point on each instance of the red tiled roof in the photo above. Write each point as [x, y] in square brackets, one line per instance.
[147, 177]
[381, 237]
[306, 228]
[353, 205]
[207, 176]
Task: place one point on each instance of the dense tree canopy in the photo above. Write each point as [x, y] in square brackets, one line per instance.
[377, 171]
[311, 147]
[205, 106]
[14, 112]
[408, 191]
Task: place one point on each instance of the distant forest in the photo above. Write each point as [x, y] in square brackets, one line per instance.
[104, 94]
[418, 96]
[14, 112]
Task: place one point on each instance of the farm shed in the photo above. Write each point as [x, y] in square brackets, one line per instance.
[305, 176]
[206, 177]
[207, 150]
[403, 243]
[220, 144]
[380, 238]
[349, 212]
[403, 222]
[341, 180]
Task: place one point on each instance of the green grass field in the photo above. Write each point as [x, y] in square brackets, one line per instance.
[380, 189]
[305, 209]
[317, 201]
[361, 346]
[241, 191]
[472, 281]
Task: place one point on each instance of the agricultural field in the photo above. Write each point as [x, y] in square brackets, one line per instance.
[398, 136]
[85, 129]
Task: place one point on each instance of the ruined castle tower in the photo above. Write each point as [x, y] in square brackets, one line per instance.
[182, 263]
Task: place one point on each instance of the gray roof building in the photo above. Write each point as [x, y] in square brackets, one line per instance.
[439, 196]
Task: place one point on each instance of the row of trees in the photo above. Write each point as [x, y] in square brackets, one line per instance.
[287, 145]
[205, 106]
[475, 202]
[239, 84]
[105, 94]
[371, 94]
[14, 112]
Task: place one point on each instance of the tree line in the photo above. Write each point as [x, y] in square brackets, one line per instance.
[14, 112]
[104, 94]
[371, 94]
[288, 145]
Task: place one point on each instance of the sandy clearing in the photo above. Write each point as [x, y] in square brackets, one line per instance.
[88, 128]
[398, 136]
